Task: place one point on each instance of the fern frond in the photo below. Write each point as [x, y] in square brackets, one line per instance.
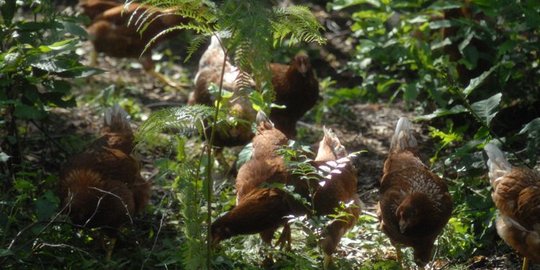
[194, 45]
[297, 23]
[187, 120]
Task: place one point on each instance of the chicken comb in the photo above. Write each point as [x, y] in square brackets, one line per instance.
[497, 164]
[116, 119]
[403, 138]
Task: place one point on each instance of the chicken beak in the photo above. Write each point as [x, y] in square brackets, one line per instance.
[303, 69]
[402, 225]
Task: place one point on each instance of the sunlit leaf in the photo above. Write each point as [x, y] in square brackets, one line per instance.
[475, 82]
[443, 112]
[531, 127]
[487, 109]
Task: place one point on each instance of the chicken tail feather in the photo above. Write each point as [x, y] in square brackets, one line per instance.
[331, 139]
[403, 137]
[117, 120]
[262, 120]
[497, 163]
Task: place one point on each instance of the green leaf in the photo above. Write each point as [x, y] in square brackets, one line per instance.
[384, 86]
[24, 186]
[8, 9]
[81, 72]
[475, 82]
[443, 5]
[439, 24]
[46, 206]
[75, 29]
[257, 101]
[5, 252]
[410, 92]
[28, 112]
[9, 62]
[51, 65]
[60, 86]
[67, 44]
[341, 4]
[31, 26]
[531, 127]
[470, 57]
[443, 112]
[244, 155]
[487, 109]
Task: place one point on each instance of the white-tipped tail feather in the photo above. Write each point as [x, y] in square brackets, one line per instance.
[263, 118]
[117, 119]
[497, 163]
[403, 137]
[332, 141]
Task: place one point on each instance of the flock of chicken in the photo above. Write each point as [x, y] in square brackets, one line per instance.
[102, 187]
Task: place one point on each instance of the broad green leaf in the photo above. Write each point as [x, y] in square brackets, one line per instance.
[531, 127]
[75, 29]
[46, 206]
[244, 155]
[439, 24]
[487, 109]
[438, 45]
[470, 57]
[341, 4]
[60, 86]
[81, 72]
[28, 112]
[384, 86]
[60, 45]
[31, 93]
[257, 101]
[9, 62]
[506, 47]
[532, 17]
[410, 92]
[51, 65]
[8, 9]
[5, 252]
[466, 41]
[443, 112]
[24, 186]
[475, 82]
[443, 5]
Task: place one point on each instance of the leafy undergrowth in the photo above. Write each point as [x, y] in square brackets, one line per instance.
[171, 232]
[35, 235]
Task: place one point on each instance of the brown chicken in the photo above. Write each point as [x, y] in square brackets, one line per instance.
[516, 193]
[414, 204]
[252, 199]
[115, 32]
[338, 187]
[239, 106]
[102, 187]
[93, 8]
[297, 89]
[262, 210]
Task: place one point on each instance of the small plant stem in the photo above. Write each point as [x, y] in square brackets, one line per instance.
[210, 188]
